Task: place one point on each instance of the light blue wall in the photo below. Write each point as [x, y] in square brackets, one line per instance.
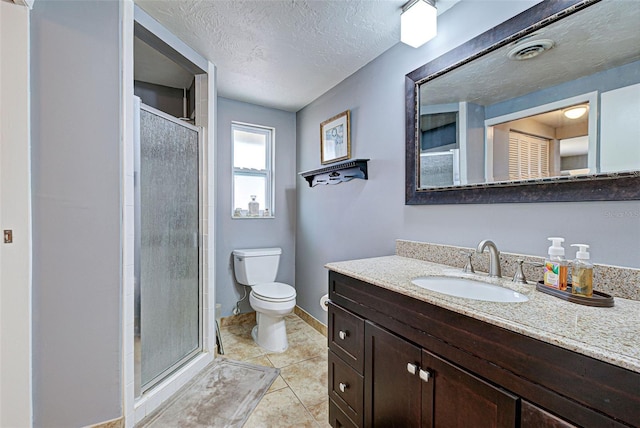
[254, 233]
[364, 218]
[75, 108]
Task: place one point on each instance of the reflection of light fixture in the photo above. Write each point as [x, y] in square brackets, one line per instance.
[418, 22]
[575, 112]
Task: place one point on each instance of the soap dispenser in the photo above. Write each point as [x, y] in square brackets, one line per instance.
[582, 272]
[556, 266]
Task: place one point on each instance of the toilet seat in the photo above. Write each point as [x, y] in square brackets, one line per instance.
[273, 292]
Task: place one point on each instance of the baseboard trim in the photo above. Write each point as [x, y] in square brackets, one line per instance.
[309, 319]
[251, 317]
[113, 423]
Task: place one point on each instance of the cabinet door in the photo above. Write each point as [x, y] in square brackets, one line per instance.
[392, 393]
[454, 398]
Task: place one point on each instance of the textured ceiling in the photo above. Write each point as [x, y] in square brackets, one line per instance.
[281, 53]
[603, 36]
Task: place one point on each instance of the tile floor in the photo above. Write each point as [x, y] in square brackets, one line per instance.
[298, 397]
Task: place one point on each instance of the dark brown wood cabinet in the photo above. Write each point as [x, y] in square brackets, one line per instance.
[406, 386]
[346, 335]
[533, 416]
[345, 388]
[457, 397]
[337, 418]
[346, 368]
[392, 393]
[395, 361]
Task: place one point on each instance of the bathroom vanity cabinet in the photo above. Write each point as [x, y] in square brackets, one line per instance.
[398, 361]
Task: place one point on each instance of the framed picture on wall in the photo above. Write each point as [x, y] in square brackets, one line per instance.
[335, 138]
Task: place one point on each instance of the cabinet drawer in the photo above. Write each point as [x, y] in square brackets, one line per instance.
[337, 419]
[532, 416]
[346, 388]
[346, 333]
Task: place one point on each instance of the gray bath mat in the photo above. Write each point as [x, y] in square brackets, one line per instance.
[223, 395]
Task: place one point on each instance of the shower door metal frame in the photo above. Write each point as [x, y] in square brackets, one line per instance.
[138, 387]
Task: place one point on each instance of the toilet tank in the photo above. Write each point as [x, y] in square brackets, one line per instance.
[256, 265]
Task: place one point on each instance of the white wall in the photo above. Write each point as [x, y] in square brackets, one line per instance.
[76, 159]
[620, 150]
[15, 197]
[364, 218]
[254, 233]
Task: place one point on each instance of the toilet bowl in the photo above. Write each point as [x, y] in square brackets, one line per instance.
[272, 301]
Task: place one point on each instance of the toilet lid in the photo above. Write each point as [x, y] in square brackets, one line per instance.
[274, 291]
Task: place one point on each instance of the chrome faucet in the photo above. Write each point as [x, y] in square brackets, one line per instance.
[494, 257]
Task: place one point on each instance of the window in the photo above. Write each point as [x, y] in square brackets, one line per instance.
[252, 153]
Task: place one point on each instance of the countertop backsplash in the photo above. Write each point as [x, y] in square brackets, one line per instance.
[617, 281]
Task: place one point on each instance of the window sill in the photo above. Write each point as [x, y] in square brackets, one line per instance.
[252, 218]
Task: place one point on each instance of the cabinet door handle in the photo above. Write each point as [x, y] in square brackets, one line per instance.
[412, 368]
[343, 386]
[425, 375]
[343, 334]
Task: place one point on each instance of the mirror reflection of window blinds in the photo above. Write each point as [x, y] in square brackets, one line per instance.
[528, 156]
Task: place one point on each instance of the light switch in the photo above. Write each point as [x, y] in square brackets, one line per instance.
[8, 236]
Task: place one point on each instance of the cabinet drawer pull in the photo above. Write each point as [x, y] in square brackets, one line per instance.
[343, 386]
[412, 368]
[425, 375]
[343, 334]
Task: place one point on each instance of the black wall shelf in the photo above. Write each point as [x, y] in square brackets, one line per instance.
[337, 172]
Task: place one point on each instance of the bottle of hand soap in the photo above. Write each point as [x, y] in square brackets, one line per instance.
[556, 266]
[582, 272]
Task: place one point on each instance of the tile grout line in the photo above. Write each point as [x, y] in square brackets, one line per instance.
[298, 397]
[308, 332]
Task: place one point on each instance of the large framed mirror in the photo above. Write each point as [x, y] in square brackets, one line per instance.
[544, 107]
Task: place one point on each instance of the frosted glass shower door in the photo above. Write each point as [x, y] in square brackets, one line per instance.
[167, 235]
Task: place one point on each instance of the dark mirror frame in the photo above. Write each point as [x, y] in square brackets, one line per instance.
[596, 187]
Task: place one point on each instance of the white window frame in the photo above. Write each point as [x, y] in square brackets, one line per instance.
[268, 173]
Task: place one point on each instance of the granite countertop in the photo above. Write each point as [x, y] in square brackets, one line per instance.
[607, 334]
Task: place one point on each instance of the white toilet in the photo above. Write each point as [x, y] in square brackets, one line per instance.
[271, 300]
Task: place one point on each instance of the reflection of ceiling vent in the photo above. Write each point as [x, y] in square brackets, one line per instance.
[529, 49]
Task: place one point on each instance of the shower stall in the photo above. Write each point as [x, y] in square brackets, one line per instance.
[167, 257]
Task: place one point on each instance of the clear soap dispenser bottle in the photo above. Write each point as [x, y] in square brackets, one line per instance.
[582, 272]
[254, 207]
[556, 266]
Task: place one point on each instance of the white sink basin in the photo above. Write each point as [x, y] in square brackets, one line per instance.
[469, 288]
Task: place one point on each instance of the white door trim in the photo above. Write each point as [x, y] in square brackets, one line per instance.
[16, 407]
[135, 410]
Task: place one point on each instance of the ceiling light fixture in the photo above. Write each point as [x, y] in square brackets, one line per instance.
[575, 112]
[418, 22]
